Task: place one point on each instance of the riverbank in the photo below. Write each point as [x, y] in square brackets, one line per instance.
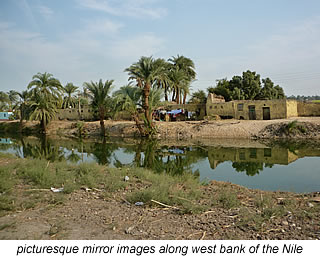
[293, 128]
[101, 203]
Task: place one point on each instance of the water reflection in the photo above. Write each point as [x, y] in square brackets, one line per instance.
[248, 158]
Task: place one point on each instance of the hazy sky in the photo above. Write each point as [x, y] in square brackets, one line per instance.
[84, 40]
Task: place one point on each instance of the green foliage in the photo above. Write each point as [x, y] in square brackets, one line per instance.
[69, 100]
[101, 101]
[198, 97]
[45, 97]
[181, 191]
[248, 87]
[294, 127]
[228, 199]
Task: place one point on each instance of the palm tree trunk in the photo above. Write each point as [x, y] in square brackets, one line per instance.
[166, 93]
[173, 95]
[101, 114]
[141, 130]
[184, 97]
[146, 92]
[178, 96]
[43, 126]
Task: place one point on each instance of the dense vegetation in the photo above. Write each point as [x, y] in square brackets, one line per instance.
[247, 87]
[150, 80]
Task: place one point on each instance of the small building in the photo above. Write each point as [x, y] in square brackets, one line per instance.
[260, 109]
[5, 116]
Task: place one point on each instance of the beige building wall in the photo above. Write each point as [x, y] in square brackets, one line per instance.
[292, 108]
[86, 113]
[308, 109]
[239, 109]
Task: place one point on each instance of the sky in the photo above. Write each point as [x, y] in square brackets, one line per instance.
[86, 40]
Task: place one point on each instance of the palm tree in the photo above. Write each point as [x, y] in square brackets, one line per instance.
[69, 101]
[145, 72]
[178, 81]
[100, 99]
[43, 110]
[163, 80]
[13, 98]
[128, 98]
[47, 86]
[4, 101]
[23, 105]
[186, 65]
[46, 94]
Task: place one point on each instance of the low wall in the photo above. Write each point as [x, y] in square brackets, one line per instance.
[308, 109]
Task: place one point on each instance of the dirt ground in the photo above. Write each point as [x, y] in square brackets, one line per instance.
[186, 130]
[89, 215]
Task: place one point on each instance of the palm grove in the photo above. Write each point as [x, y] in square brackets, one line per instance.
[150, 81]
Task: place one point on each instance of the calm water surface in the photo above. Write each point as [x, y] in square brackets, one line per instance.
[276, 166]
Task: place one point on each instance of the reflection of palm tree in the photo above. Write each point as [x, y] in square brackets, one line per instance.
[163, 161]
[43, 150]
[103, 151]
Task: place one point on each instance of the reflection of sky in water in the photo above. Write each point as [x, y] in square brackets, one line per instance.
[302, 175]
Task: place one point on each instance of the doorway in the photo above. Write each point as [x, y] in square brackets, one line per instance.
[266, 113]
[252, 113]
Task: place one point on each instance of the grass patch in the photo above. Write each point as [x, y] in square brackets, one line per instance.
[228, 199]
[182, 191]
[294, 127]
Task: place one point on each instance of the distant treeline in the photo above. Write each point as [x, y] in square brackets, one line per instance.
[304, 98]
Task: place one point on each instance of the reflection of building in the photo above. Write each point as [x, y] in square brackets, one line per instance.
[260, 109]
[264, 155]
[5, 141]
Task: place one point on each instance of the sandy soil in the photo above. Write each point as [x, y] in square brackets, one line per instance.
[190, 129]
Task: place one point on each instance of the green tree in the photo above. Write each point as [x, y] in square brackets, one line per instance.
[4, 101]
[251, 85]
[163, 80]
[178, 81]
[47, 86]
[128, 98]
[221, 89]
[99, 93]
[45, 96]
[43, 110]
[12, 98]
[198, 97]
[145, 72]
[186, 65]
[23, 105]
[69, 100]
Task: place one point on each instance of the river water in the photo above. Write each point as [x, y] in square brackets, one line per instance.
[282, 166]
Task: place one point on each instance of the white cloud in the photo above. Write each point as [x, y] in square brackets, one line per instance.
[138, 8]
